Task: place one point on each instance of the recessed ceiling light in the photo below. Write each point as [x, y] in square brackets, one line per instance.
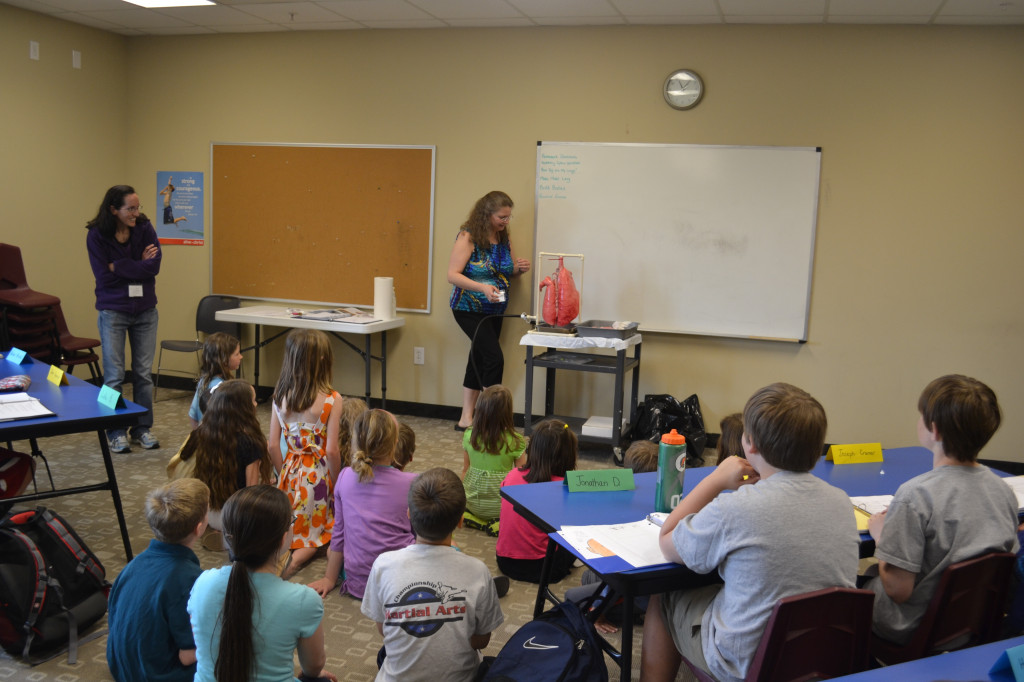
[156, 4]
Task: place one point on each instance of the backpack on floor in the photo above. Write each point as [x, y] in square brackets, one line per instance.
[51, 585]
[560, 645]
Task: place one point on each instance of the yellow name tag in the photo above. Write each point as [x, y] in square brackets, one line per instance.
[56, 376]
[855, 453]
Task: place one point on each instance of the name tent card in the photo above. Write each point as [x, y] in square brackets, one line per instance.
[856, 453]
[1009, 667]
[18, 357]
[108, 397]
[56, 376]
[599, 480]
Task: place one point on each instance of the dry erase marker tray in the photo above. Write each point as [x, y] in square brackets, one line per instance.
[607, 328]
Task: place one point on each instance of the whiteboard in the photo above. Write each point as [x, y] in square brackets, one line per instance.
[692, 239]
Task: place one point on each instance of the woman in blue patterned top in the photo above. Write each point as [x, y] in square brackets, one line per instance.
[480, 268]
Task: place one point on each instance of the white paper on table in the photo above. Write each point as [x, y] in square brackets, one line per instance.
[636, 543]
[872, 504]
[1016, 484]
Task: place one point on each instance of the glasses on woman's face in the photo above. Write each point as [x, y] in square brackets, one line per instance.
[502, 218]
[131, 209]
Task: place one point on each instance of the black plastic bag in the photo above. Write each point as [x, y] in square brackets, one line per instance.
[660, 413]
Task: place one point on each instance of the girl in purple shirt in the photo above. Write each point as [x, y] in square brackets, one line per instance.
[371, 509]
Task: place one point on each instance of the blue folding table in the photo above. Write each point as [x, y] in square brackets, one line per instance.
[549, 506]
[77, 411]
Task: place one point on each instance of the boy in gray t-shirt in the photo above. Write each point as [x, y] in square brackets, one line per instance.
[434, 606]
[957, 511]
[790, 533]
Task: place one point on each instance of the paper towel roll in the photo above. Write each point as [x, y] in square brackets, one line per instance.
[384, 298]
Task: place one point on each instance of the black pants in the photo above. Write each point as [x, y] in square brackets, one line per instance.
[528, 570]
[485, 352]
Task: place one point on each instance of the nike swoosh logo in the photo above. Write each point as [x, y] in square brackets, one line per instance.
[530, 644]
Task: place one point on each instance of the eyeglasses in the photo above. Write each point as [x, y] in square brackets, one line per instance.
[132, 209]
[503, 219]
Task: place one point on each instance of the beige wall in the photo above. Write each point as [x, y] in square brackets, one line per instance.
[919, 233]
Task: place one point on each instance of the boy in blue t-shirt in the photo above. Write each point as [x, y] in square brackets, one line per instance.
[150, 633]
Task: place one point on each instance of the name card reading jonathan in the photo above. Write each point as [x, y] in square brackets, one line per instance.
[599, 480]
[855, 453]
[56, 376]
[108, 397]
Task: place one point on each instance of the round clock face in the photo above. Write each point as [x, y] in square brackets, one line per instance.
[683, 89]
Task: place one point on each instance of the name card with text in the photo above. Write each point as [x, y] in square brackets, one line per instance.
[110, 398]
[856, 453]
[56, 376]
[599, 480]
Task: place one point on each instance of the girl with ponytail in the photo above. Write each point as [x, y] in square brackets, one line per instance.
[235, 606]
[371, 511]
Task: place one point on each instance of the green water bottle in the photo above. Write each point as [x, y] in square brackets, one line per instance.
[671, 470]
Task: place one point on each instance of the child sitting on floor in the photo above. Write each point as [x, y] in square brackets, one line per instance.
[150, 635]
[492, 448]
[456, 587]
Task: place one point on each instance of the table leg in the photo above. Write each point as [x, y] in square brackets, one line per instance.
[626, 648]
[368, 362]
[108, 463]
[528, 397]
[383, 367]
[256, 358]
[620, 370]
[549, 392]
[636, 385]
[543, 591]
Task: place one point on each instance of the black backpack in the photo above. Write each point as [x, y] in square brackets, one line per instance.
[51, 585]
[559, 646]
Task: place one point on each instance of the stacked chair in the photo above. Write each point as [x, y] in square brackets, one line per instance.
[33, 321]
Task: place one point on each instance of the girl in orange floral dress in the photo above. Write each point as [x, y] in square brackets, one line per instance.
[307, 411]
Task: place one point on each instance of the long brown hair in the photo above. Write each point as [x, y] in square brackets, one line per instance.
[551, 452]
[306, 370]
[255, 521]
[493, 430]
[478, 223]
[229, 421]
[217, 351]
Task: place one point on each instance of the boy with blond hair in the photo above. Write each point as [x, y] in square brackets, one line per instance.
[150, 633]
[957, 511]
[782, 532]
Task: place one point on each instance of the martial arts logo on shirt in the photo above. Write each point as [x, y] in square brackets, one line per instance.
[423, 608]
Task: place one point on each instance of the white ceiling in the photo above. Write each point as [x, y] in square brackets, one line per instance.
[255, 16]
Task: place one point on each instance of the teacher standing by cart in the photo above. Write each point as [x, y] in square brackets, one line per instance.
[480, 270]
[124, 253]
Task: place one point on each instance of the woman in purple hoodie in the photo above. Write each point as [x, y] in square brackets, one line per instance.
[125, 256]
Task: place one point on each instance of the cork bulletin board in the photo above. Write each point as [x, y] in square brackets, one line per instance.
[316, 223]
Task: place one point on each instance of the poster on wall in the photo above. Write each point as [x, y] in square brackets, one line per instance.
[179, 219]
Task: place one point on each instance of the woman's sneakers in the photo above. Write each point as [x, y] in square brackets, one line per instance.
[145, 438]
[118, 442]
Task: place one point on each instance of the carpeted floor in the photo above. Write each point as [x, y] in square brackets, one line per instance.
[352, 640]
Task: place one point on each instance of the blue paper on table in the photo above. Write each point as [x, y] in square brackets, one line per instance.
[1009, 667]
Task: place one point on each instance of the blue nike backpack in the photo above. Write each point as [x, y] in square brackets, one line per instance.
[559, 646]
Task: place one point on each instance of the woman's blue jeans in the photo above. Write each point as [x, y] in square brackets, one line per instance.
[140, 330]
